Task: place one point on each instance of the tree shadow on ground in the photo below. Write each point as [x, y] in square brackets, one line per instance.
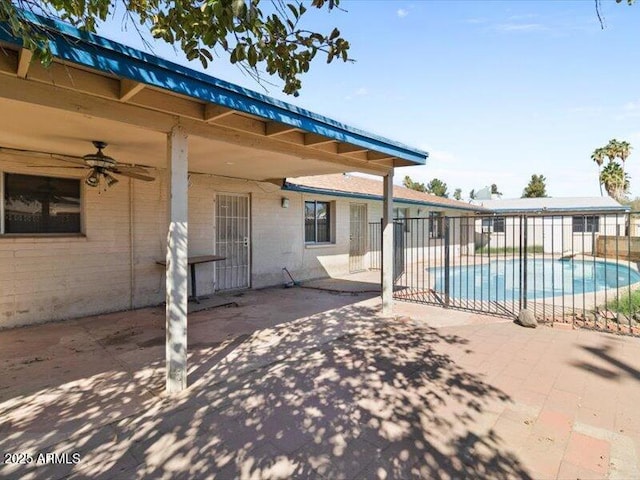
[614, 369]
[340, 394]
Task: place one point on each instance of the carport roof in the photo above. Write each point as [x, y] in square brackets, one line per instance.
[220, 98]
[554, 204]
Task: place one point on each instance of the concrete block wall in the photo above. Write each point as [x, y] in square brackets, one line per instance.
[112, 266]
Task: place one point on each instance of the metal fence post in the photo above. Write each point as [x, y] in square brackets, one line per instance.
[447, 267]
[524, 261]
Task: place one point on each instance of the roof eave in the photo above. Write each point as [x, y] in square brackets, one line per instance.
[292, 187]
[95, 52]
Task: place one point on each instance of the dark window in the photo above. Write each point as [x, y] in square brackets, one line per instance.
[498, 224]
[37, 204]
[436, 225]
[317, 222]
[586, 224]
[493, 224]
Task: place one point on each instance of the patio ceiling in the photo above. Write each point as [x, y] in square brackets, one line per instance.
[100, 90]
[34, 127]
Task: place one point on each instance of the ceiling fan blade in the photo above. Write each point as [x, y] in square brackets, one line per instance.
[131, 168]
[44, 155]
[136, 175]
[42, 165]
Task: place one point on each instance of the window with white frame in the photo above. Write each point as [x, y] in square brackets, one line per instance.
[317, 222]
[493, 224]
[35, 204]
[585, 223]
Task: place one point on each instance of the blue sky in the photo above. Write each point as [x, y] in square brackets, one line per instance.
[495, 90]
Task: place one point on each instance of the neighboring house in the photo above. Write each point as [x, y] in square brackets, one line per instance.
[554, 225]
[350, 240]
[219, 155]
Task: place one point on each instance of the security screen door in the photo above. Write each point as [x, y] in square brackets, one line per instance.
[357, 237]
[232, 225]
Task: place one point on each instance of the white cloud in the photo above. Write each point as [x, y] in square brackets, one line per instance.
[632, 106]
[520, 27]
[476, 21]
[360, 92]
[401, 12]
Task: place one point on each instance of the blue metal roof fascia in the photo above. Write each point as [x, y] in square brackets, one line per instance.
[105, 55]
[367, 196]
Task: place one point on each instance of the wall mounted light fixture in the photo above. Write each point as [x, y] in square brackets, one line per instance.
[284, 202]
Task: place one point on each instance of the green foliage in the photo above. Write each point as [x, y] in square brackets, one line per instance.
[408, 183]
[457, 194]
[612, 176]
[615, 181]
[437, 187]
[536, 188]
[472, 194]
[627, 303]
[503, 250]
[253, 39]
[494, 190]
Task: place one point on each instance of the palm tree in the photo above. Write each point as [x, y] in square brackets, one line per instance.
[615, 181]
[623, 150]
[598, 157]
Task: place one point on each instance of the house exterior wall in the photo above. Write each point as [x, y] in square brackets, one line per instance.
[554, 234]
[112, 266]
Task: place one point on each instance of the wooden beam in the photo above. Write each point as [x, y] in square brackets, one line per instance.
[358, 155]
[72, 78]
[377, 156]
[315, 139]
[348, 148]
[241, 123]
[24, 61]
[276, 128]
[327, 147]
[165, 102]
[129, 88]
[215, 112]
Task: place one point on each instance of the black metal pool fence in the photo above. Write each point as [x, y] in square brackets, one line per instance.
[579, 269]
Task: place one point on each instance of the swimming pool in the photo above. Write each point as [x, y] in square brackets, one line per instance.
[500, 280]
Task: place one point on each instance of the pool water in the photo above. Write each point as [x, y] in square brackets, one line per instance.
[500, 280]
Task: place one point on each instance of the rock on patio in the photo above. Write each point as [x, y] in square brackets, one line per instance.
[303, 383]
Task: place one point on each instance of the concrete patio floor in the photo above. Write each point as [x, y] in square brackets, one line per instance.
[303, 383]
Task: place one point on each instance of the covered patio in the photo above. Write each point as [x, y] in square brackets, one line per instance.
[303, 383]
[187, 130]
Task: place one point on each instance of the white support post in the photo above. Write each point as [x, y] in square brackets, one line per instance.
[177, 251]
[387, 245]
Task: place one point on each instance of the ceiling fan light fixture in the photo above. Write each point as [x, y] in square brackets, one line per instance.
[93, 179]
[110, 180]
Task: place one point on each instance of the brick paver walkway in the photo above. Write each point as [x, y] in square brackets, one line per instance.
[335, 392]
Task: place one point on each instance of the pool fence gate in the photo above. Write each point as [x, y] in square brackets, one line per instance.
[579, 269]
